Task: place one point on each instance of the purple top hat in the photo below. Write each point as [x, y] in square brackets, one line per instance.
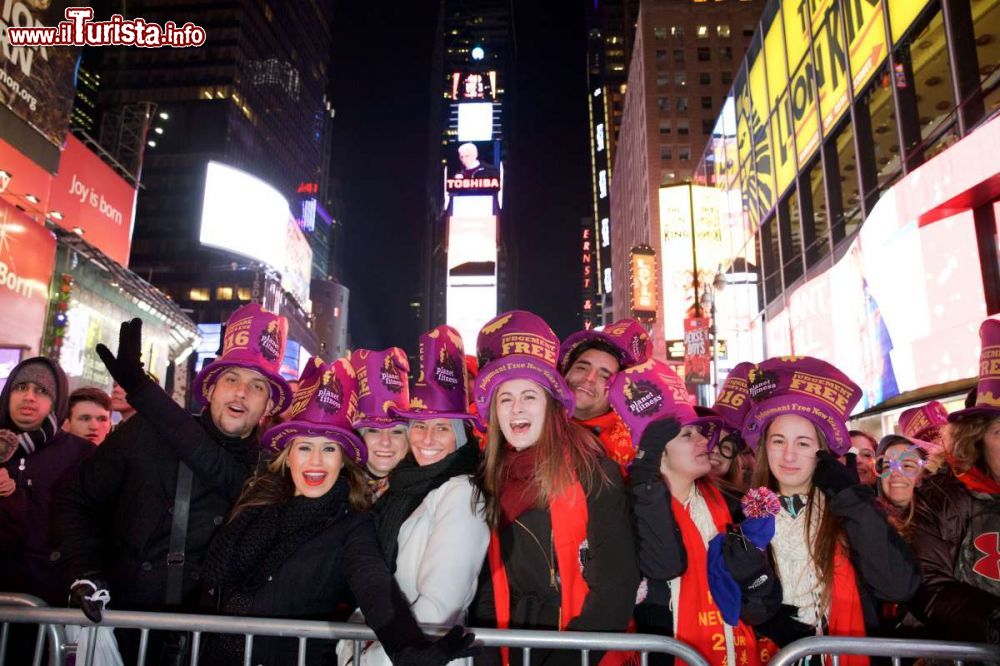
[988, 389]
[733, 401]
[923, 422]
[651, 391]
[627, 336]
[803, 386]
[439, 392]
[518, 345]
[324, 406]
[255, 339]
[383, 384]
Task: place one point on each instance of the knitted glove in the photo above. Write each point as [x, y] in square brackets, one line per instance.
[831, 476]
[646, 465]
[746, 563]
[126, 369]
[456, 644]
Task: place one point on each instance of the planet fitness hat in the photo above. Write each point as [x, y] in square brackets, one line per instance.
[627, 336]
[324, 406]
[733, 401]
[439, 392]
[988, 388]
[652, 391]
[518, 345]
[255, 340]
[806, 387]
[923, 423]
[383, 383]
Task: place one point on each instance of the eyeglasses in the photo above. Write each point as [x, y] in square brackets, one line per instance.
[728, 447]
[909, 464]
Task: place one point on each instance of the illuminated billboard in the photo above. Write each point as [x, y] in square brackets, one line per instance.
[473, 86]
[475, 121]
[244, 215]
[471, 295]
[643, 280]
[471, 168]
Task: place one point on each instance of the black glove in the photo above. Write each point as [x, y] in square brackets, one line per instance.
[784, 627]
[747, 564]
[831, 476]
[456, 644]
[646, 465]
[993, 628]
[126, 369]
[85, 595]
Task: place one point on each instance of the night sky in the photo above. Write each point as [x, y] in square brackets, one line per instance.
[381, 84]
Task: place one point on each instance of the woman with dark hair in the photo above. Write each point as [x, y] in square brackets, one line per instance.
[299, 543]
[430, 521]
[679, 511]
[865, 447]
[561, 550]
[957, 516]
[835, 553]
[900, 466]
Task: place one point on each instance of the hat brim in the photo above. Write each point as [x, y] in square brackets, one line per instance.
[378, 422]
[520, 366]
[977, 410]
[571, 343]
[281, 392]
[761, 415]
[428, 414]
[281, 435]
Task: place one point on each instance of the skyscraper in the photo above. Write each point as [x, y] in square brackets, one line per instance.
[465, 262]
[253, 98]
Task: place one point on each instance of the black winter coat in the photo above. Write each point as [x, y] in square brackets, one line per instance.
[954, 535]
[114, 521]
[321, 580]
[609, 569]
[27, 561]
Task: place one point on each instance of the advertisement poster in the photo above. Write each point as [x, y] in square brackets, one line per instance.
[27, 256]
[697, 351]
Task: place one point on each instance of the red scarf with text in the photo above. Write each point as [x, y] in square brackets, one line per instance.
[846, 617]
[699, 621]
[614, 436]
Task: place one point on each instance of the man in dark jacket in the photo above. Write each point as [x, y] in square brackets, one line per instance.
[125, 519]
[32, 404]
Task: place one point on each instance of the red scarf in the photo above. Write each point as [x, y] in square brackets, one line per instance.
[518, 491]
[569, 516]
[699, 621]
[846, 618]
[614, 436]
[978, 481]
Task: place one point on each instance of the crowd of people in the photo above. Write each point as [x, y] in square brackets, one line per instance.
[540, 484]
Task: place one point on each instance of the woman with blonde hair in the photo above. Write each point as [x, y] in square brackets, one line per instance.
[561, 550]
[957, 515]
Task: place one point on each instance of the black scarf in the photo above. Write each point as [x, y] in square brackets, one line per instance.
[262, 538]
[409, 484]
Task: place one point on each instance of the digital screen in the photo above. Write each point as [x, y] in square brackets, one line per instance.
[471, 240]
[473, 85]
[475, 121]
[471, 302]
[9, 358]
[290, 363]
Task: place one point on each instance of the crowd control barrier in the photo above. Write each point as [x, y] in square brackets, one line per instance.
[896, 648]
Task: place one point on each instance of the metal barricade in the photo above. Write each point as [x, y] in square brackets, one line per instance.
[896, 648]
[198, 625]
[54, 632]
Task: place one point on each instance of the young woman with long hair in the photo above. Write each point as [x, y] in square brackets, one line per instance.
[679, 511]
[561, 550]
[957, 516]
[299, 543]
[835, 553]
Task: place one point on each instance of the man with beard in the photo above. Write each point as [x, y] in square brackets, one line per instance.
[589, 360]
[139, 518]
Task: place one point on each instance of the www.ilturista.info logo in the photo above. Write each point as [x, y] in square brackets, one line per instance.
[79, 29]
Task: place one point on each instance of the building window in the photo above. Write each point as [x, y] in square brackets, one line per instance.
[243, 293]
[883, 150]
[789, 228]
[679, 56]
[707, 124]
[666, 152]
[987, 48]
[661, 81]
[704, 54]
[726, 53]
[664, 127]
[702, 32]
[748, 29]
[684, 153]
[727, 78]
[223, 293]
[683, 127]
[705, 78]
[663, 103]
[661, 55]
[682, 103]
[722, 30]
[706, 102]
[770, 258]
[680, 78]
[677, 32]
[659, 33]
[847, 210]
[199, 294]
[817, 229]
